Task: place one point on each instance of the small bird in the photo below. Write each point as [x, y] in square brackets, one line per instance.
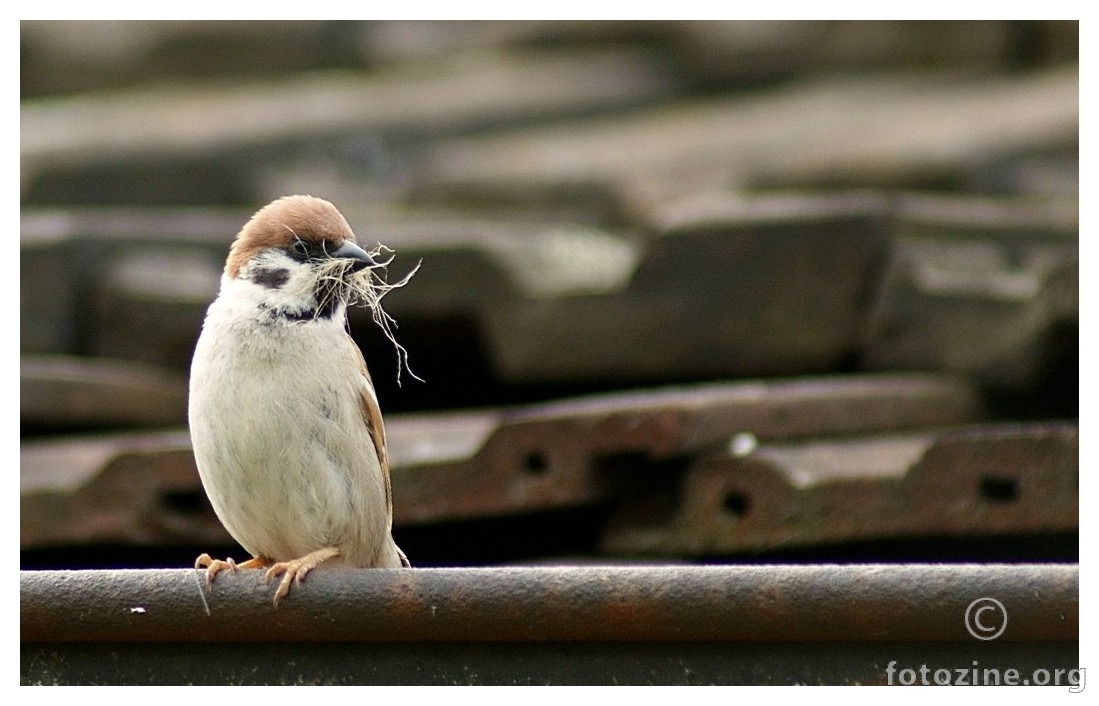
[284, 421]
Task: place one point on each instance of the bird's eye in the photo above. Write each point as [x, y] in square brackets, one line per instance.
[300, 247]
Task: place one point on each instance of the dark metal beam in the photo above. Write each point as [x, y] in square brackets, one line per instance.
[541, 663]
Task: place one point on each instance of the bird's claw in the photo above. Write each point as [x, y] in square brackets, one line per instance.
[294, 571]
[214, 567]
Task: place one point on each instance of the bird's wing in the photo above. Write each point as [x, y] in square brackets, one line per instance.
[372, 418]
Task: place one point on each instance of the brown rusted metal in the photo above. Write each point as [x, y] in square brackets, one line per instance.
[134, 489]
[876, 603]
[72, 391]
[145, 489]
[552, 455]
[696, 292]
[983, 481]
[788, 137]
[980, 287]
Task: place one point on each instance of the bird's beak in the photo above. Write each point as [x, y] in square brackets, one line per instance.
[351, 251]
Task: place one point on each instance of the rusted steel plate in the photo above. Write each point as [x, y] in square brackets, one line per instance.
[855, 130]
[984, 481]
[558, 454]
[820, 603]
[145, 489]
[139, 489]
[70, 391]
[725, 285]
[85, 272]
[82, 131]
[548, 301]
[979, 286]
[733, 53]
[749, 286]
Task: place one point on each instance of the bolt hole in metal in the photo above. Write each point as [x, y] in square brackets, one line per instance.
[999, 490]
[536, 463]
[736, 504]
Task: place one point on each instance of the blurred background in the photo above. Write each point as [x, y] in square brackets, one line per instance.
[691, 291]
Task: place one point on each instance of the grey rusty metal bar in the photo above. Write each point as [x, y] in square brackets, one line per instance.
[821, 603]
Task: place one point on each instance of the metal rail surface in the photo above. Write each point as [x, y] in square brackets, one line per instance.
[595, 625]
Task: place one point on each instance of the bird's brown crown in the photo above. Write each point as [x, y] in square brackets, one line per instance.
[280, 223]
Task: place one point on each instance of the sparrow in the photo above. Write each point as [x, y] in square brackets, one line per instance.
[285, 425]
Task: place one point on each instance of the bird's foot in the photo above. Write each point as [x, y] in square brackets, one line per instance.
[296, 569]
[216, 566]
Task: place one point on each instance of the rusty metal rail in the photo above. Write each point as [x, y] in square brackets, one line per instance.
[882, 603]
[564, 625]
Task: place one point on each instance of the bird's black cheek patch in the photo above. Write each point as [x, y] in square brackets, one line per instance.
[272, 278]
